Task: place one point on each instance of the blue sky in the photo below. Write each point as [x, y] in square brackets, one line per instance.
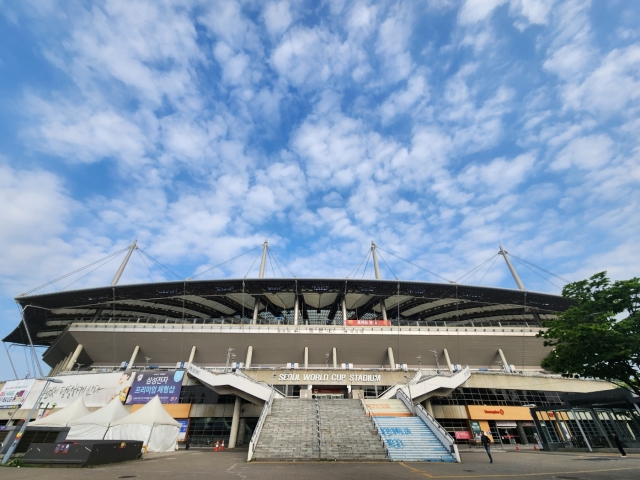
[436, 128]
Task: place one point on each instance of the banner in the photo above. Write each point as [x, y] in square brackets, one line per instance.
[14, 392]
[184, 425]
[97, 389]
[465, 435]
[368, 323]
[146, 385]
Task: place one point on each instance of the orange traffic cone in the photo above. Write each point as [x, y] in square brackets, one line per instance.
[517, 448]
[535, 447]
[217, 447]
[222, 446]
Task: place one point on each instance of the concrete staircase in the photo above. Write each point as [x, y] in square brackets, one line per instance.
[406, 437]
[290, 432]
[319, 430]
[346, 433]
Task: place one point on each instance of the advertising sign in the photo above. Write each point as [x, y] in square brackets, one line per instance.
[475, 428]
[14, 392]
[96, 389]
[463, 435]
[368, 323]
[184, 424]
[146, 385]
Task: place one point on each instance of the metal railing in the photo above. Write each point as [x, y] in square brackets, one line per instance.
[438, 430]
[266, 411]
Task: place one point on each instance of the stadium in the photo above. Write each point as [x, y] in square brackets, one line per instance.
[467, 356]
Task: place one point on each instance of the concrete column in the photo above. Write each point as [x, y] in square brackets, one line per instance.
[306, 357]
[74, 358]
[241, 429]
[256, 307]
[446, 357]
[335, 358]
[428, 407]
[192, 356]
[523, 437]
[384, 310]
[344, 312]
[247, 363]
[296, 311]
[505, 365]
[392, 361]
[235, 422]
[133, 357]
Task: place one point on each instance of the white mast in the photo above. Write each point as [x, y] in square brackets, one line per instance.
[513, 270]
[133, 247]
[263, 263]
[376, 269]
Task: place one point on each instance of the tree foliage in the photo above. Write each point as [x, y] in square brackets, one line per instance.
[600, 335]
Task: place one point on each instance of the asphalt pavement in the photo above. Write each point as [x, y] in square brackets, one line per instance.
[231, 464]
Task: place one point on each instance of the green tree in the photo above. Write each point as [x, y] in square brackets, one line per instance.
[600, 335]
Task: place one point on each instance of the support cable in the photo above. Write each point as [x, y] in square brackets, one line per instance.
[271, 263]
[475, 269]
[415, 265]
[485, 273]
[115, 254]
[87, 274]
[359, 265]
[364, 270]
[226, 261]
[10, 360]
[145, 264]
[545, 279]
[167, 269]
[275, 259]
[523, 261]
[254, 262]
[388, 267]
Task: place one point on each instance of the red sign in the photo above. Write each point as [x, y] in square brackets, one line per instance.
[462, 435]
[368, 323]
[495, 412]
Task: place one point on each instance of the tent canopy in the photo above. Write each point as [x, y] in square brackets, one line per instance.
[152, 414]
[63, 417]
[111, 412]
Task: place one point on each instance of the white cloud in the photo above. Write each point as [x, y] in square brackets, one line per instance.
[586, 153]
[474, 11]
[392, 44]
[500, 175]
[400, 101]
[277, 17]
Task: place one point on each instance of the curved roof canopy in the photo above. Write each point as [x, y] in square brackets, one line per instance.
[320, 302]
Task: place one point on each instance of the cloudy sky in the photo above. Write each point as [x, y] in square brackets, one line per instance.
[436, 128]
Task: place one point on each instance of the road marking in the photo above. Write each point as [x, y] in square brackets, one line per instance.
[422, 473]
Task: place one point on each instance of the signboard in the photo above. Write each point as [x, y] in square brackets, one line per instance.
[96, 389]
[462, 435]
[146, 385]
[368, 323]
[184, 425]
[475, 428]
[487, 412]
[14, 392]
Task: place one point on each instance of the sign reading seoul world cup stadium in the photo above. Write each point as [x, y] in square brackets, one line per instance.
[146, 385]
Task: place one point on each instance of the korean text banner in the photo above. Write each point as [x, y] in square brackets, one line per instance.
[146, 385]
[15, 392]
[96, 389]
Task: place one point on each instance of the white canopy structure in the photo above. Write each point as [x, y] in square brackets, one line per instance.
[95, 425]
[152, 425]
[63, 417]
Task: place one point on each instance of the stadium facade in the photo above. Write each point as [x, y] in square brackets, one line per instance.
[470, 353]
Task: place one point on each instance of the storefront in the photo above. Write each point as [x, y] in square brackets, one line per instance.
[506, 425]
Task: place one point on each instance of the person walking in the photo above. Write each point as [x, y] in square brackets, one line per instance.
[619, 445]
[187, 443]
[486, 443]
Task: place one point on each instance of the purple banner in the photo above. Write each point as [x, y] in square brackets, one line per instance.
[146, 385]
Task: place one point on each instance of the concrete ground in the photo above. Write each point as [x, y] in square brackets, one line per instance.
[229, 465]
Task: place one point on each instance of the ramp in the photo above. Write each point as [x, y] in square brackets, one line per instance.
[243, 385]
[421, 387]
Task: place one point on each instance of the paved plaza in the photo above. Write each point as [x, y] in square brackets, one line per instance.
[230, 465]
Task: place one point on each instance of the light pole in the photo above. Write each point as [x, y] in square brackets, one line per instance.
[326, 355]
[413, 410]
[419, 357]
[16, 441]
[146, 362]
[435, 355]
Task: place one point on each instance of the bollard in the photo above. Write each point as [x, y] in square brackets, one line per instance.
[217, 447]
[222, 446]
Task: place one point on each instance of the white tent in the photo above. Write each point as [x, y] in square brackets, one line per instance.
[95, 425]
[152, 425]
[62, 417]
